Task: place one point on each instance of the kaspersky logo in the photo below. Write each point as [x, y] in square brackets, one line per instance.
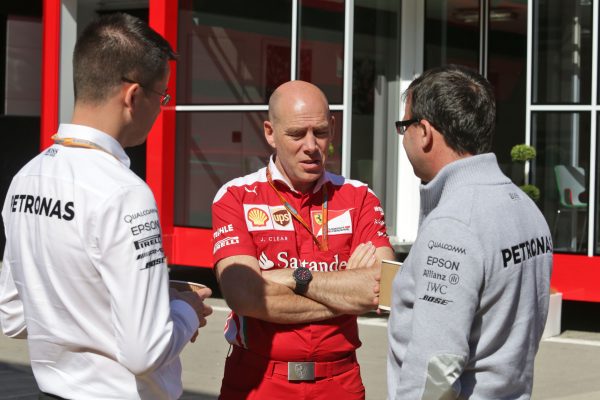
[284, 261]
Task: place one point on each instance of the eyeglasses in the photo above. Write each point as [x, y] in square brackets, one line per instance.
[402, 126]
[164, 97]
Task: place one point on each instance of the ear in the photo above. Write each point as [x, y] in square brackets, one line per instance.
[426, 135]
[269, 133]
[131, 95]
[331, 128]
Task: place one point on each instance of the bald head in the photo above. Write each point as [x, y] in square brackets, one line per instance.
[293, 96]
[300, 129]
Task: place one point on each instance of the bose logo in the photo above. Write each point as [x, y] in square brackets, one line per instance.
[435, 300]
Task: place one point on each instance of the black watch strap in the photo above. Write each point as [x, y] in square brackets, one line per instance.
[302, 276]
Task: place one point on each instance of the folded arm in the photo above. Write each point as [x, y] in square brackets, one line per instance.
[352, 291]
[248, 293]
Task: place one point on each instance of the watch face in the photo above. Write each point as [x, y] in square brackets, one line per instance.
[302, 275]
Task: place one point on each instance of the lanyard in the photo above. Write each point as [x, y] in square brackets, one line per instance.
[75, 142]
[323, 245]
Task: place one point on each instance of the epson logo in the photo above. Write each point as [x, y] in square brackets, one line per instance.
[443, 263]
[147, 226]
[146, 242]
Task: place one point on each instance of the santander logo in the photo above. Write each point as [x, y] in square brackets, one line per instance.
[284, 261]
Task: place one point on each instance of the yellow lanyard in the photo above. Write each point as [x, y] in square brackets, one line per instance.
[75, 142]
[323, 245]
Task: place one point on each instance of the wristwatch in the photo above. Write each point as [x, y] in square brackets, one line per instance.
[302, 276]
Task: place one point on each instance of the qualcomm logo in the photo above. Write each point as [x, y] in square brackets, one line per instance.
[283, 261]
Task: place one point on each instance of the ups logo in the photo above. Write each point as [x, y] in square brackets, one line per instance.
[282, 217]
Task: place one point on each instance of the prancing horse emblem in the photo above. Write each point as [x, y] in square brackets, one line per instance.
[300, 371]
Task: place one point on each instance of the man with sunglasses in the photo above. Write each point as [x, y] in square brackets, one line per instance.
[84, 275]
[470, 303]
[296, 252]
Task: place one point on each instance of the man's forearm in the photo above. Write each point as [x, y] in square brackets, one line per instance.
[250, 294]
[286, 307]
[352, 291]
[346, 292]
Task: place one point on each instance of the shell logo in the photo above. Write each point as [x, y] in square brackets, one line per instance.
[258, 217]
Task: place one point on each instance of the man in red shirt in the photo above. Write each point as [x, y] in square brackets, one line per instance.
[297, 253]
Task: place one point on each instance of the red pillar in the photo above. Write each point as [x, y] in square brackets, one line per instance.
[160, 148]
[50, 71]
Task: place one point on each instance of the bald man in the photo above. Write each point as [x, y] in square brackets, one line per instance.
[297, 253]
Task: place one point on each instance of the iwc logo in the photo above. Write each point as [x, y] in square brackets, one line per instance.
[258, 217]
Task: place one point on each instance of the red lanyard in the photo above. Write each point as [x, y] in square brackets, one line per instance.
[75, 142]
[323, 245]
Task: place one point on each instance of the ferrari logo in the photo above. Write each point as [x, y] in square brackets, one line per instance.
[318, 217]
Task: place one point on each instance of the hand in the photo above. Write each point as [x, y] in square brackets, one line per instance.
[362, 257]
[196, 300]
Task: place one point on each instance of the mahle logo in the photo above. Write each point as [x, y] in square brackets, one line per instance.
[258, 217]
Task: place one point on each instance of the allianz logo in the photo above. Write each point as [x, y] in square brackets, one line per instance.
[284, 261]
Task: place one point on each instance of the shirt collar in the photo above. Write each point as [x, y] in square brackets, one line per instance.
[96, 136]
[278, 176]
[482, 169]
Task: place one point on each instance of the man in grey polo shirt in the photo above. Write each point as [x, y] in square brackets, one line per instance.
[470, 303]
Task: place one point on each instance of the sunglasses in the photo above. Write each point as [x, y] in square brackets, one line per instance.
[402, 126]
[164, 97]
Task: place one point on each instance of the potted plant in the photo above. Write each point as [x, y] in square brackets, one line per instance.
[520, 155]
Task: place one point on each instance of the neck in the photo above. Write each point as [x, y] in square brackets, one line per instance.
[441, 160]
[96, 117]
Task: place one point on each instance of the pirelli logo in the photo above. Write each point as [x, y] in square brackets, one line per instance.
[147, 241]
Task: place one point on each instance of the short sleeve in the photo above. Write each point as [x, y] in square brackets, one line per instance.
[230, 233]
